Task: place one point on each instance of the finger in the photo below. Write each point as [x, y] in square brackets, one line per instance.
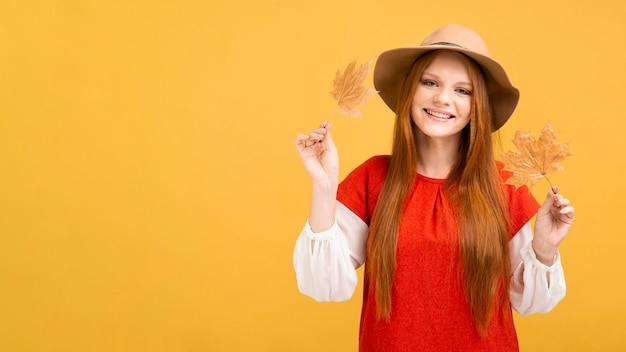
[301, 139]
[304, 141]
[319, 130]
[548, 203]
[316, 136]
[567, 211]
[566, 217]
[318, 133]
[327, 128]
[556, 198]
[563, 202]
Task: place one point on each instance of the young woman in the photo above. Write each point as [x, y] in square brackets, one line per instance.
[447, 246]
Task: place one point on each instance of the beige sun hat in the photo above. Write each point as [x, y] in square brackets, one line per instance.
[393, 65]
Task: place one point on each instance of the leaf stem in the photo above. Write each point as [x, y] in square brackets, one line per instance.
[333, 111]
[546, 177]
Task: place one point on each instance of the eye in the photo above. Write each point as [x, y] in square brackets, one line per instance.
[463, 91]
[429, 83]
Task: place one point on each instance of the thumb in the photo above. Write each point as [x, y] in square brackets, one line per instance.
[548, 203]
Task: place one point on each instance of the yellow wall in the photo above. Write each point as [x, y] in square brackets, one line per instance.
[150, 192]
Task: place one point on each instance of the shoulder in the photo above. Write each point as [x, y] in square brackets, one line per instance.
[373, 168]
[360, 189]
[377, 163]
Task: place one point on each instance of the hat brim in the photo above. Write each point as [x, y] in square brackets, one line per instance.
[393, 65]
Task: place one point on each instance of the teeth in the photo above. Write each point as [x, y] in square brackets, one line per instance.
[438, 115]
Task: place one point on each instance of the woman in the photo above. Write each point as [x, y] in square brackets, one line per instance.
[448, 248]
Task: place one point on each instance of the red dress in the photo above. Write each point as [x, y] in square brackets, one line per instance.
[429, 311]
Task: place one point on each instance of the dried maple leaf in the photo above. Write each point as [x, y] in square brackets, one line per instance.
[535, 158]
[348, 88]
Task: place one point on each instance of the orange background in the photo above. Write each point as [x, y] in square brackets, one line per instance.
[151, 193]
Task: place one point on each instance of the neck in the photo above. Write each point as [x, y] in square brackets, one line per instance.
[436, 157]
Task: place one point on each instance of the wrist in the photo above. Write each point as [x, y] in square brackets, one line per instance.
[323, 205]
[325, 186]
[545, 253]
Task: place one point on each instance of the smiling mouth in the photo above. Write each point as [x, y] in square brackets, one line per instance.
[438, 115]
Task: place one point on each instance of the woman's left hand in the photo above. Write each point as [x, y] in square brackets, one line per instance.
[554, 219]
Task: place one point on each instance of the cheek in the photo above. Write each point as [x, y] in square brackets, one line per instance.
[465, 107]
[417, 101]
[418, 94]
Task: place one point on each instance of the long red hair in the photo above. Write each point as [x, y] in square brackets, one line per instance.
[473, 185]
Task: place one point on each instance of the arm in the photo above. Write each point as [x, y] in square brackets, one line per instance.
[322, 257]
[534, 286]
[538, 282]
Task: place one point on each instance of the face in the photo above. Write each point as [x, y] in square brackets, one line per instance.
[442, 99]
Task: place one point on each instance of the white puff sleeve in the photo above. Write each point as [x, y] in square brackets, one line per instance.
[535, 287]
[326, 262]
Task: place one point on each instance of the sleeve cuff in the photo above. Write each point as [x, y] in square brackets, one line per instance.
[321, 236]
[528, 254]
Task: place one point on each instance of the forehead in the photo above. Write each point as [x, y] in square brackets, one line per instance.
[448, 62]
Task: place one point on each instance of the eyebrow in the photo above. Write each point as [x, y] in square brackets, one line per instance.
[435, 76]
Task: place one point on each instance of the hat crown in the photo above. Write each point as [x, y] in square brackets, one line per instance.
[454, 34]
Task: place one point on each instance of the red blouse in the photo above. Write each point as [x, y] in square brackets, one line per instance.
[429, 311]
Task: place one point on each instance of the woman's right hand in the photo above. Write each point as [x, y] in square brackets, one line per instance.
[319, 154]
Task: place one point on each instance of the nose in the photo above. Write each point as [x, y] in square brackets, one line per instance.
[442, 97]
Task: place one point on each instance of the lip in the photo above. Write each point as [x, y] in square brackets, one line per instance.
[439, 115]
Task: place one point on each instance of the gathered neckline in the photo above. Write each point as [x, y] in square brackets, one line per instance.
[430, 179]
